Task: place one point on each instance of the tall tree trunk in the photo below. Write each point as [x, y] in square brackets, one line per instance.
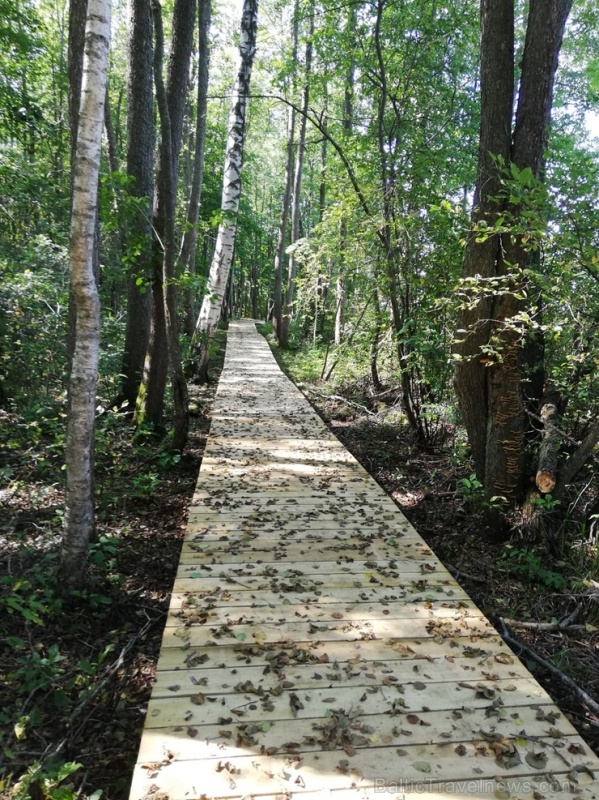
[505, 468]
[140, 169]
[489, 388]
[225, 241]
[190, 237]
[297, 189]
[168, 190]
[374, 342]
[150, 403]
[79, 512]
[473, 323]
[282, 233]
[77, 28]
[348, 121]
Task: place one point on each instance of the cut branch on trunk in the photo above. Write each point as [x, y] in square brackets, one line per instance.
[546, 477]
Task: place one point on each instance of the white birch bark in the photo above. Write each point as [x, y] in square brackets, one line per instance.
[79, 511]
[225, 241]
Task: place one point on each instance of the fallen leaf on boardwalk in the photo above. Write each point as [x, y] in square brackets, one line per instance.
[192, 732]
[422, 766]
[174, 688]
[536, 760]
[508, 760]
[295, 703]
[504, 658]
[199, 699]
[461, 750]
[576, 748]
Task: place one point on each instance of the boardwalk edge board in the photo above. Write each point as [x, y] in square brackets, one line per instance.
[316, 648]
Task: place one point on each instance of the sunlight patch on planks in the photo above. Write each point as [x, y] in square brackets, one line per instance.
[316, 648]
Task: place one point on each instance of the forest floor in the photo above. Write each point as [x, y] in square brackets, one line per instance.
[77, 673]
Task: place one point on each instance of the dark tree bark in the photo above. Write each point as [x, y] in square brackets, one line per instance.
[151, 399]
[480, 264]
[190, 237]
[489, 384]
[578, 459]
[348, 122]
[297, 189]
[167, 190]
[505, 469]
[140, 168]
[282, 234]
[77, 17]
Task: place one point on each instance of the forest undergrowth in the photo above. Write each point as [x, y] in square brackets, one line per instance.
[76, 671]
[540, 587]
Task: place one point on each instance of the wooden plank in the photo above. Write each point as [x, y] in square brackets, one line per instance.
[559, 786]
[272, 550]
[200, 529]
[228, 669]
[433, 727]
[412, 579]
[373, 568]
[413, 698]
[328, 632]
[255, 774]
[471, 648]
[257, 614]
[231, 596]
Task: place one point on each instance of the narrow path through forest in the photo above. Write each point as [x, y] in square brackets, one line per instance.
[316, 647]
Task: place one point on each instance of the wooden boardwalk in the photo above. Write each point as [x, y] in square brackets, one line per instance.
[316, 648]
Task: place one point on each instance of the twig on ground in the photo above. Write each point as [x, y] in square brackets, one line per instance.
[386, 392]
[545, 743]
[458, 573]
[580, 693]
[110, 672]
[542, 626]
[341, 399]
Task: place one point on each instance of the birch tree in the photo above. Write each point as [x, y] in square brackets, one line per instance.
[225, 241]
[79, 512]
